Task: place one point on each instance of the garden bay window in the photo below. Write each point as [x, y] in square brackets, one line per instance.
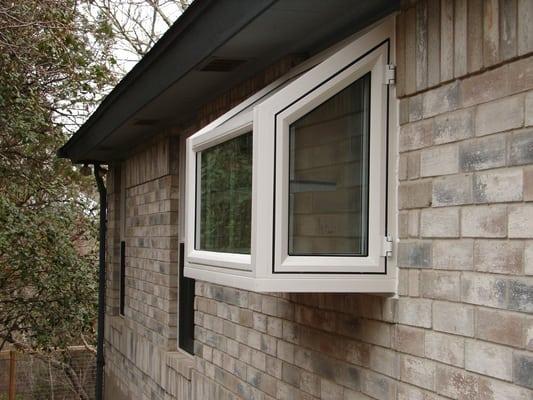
[294, 189]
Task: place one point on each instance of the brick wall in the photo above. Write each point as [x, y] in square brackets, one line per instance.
[462, 325]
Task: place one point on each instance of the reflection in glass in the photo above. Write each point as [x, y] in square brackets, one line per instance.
[225, 196]
[328, 176]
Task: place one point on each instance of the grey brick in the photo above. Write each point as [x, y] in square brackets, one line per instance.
[498, 186]
[521, 295]
[414, 254]
[454, 126]
[523, 369]
[452, 190]
[482, 153]
[521, 148]
[416, 135]
[441, 100]
[484, 290]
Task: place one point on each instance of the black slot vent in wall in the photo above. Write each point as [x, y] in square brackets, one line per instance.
[186, 307]
[122, 290]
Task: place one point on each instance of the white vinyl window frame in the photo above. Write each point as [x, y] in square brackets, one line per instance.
[294, 106]
[195, 146]
[268, 116]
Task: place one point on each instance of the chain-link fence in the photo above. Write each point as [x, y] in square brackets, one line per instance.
[25, 377]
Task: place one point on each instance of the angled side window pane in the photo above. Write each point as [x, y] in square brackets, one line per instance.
[328, 176]
[224, 196]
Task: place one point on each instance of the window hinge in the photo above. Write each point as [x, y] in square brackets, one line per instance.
[387, 246]
[390, 74]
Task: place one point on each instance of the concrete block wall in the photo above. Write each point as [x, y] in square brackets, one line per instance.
[462, 325]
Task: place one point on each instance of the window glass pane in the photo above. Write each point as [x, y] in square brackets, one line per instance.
[328, 176]
[225, 173]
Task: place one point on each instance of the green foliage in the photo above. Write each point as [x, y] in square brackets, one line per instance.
[48, 295]
[53, 65]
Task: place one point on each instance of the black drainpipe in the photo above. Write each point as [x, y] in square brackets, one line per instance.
[100, 361]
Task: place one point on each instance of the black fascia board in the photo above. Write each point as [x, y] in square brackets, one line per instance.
[199, 32]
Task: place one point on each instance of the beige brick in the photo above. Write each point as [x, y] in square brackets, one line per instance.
[485, 87]
[416, 135]
[499, 256]
[529, 109]
[460, 384]
[413, 223]
[521, 221]
[440, 160]
[453, 318]
[443, 285]
[500, 327]
[403, 225]
[484, 221]
[414, 283]
[402, 167]
[409, 340]
[416, 312]
[500, 115]
[489, 359]
[415, 194]
[404, 111]
[454, 126]
[448, 349]
[498, 186]
[413, 165]
[439, 222]
[521, 75]
[378, 386]
[415, 107]
[330, 390]
[525, 26]
[453, 254]
[403, 282]
[529, 333]
[528, 184]
[528, 258]
[408, 392]
[483, 289]
[418, 371]
[452, 190]
[384, 361]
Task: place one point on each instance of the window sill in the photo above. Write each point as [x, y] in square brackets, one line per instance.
[306, 283]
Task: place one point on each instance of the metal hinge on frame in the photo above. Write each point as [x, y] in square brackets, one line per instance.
[387, 246]
[390, 74]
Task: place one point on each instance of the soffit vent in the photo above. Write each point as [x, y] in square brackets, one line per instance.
[221, 64]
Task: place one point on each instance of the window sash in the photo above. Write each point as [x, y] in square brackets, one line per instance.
[286, 113]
